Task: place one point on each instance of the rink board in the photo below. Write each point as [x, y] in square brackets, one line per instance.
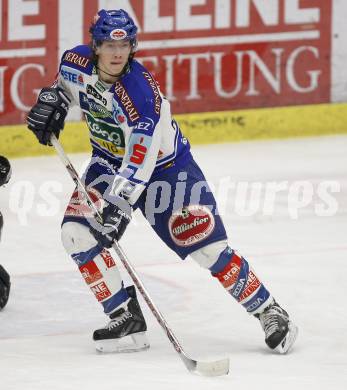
[203, 128]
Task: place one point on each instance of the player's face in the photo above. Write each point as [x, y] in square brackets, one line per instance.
[113, 56]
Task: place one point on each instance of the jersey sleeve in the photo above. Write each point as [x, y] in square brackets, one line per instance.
[74, 64]
[142, 149]
[62, 83]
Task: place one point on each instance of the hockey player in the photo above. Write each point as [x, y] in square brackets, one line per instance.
[137, 143]
[5, 284]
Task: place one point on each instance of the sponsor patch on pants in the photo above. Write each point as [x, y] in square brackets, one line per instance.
[191, 224]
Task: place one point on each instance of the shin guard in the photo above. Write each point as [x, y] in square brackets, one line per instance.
[238, 278]
[96, 265]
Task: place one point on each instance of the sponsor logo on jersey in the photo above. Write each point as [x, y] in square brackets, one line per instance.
[191, 225]
[48, 97]
[76, 59]
[138, 146]
[118, 114]
[98, 111]
[101, 291]
[84, 103]
[78, 206]
[90, 106]
[90, 272]
[118, 34]
[110, 147]
[100, 129]
[146, 124]
[99, 86]
[108, 259]
[252, 285]
[126, 101]
[92, 91]
[154, 86]
[72, 76]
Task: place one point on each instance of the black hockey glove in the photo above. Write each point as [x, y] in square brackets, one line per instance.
[48, 115]
[115, 220]
[5, 285]
[5, 171]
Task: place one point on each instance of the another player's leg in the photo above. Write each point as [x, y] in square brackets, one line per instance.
[5, 286]
[5, 283]
[125, 331]
[239, 279]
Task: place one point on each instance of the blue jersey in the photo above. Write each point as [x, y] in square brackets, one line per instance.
[129, 121]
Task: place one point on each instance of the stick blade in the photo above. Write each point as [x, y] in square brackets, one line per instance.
[214, 368]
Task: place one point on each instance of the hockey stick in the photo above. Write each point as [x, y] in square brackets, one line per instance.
[214, 368]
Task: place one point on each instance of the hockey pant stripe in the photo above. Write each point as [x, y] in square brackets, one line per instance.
[236, 276]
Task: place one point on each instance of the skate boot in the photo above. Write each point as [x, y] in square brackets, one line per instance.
[126, 330]
[280, 332]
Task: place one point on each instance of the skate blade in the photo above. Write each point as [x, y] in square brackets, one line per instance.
[289, 340]
[133, 343]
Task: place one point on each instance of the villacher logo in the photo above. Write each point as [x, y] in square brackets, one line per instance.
[191, 224]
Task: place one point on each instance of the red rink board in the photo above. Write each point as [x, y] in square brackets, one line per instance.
[220, 55]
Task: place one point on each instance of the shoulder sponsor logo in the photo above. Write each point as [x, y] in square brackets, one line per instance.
[118, 34]
[146, 124]
[157, 98]
[76, 59]
[191, 224]
[126, 101]
[93, 92]
[72, 76]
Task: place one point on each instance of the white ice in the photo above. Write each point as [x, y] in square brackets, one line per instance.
[298, 248]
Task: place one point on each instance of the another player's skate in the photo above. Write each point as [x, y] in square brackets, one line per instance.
[280, 332]
[126, 332]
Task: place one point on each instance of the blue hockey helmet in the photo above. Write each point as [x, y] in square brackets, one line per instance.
[113, 25]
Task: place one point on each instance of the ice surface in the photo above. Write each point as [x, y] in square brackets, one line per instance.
[45, 331]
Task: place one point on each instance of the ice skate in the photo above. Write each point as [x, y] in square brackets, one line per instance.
[280, 332]
[126, 332]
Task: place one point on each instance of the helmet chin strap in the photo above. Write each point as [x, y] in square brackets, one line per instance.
[112, 75]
